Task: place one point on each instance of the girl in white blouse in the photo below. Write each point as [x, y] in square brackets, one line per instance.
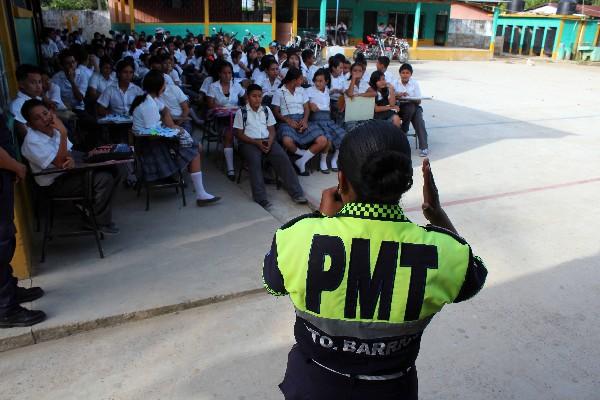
[290, 107]
[101, 80]
[319, 103]
[149, 112]
[225, 93]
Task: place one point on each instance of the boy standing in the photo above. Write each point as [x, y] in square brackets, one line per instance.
[411, 111]
[254, 128]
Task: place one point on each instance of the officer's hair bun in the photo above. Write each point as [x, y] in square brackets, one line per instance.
[385, 176]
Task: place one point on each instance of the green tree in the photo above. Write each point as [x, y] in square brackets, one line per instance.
[74, 4]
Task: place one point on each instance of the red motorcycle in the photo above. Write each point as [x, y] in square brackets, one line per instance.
[372, 49]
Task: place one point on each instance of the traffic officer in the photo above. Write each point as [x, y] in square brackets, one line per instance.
[364, 280]
[11, 295]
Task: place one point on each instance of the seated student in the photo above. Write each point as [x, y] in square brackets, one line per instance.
[51, 94]
[320, 104]
[281, 57]
[226, 93]
[382, 65]
[290, 107]
[149, 112]
[346, 67]
[255, 129]
[168, 69]
[101, 80]
[293, 61]
[274, 50]
[385, 99]
[253, 63]
[271, 83]
[259, 74]
[29, 79]
[338, 83]
[412, 112]
[356, 85]
[46, 146]
[239, 68]
[178, 104]
[308, 57]
[72, 82]
[118, 97]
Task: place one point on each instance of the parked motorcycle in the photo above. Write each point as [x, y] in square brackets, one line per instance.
[250, 38]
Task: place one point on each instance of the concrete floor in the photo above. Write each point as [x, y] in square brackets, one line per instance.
[515, 152]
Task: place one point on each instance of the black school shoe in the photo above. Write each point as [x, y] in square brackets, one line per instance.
[21, 317]
[24, 295]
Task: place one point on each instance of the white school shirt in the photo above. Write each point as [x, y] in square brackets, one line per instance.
[142, 71]
[196, 62]
[256, 122]
[168, 79]
[98, 82]
[283, 72]
[205, 88]
[363, 86]
[16, 105]
[147, 114]
[49, 50]
[175, 77]
[41, 149]
[53, 94]
[321, 99]
[310, 73]
[389, 78]
[87, 71]
[172, 97]
[412, 88]
[338, 83]
[235, 92]
[117, 101]
[289, 103]
[258, 75]
[66, 92]
[268, 88]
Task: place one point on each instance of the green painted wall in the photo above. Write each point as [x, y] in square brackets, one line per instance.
[196, 28]
[590, 32]
[429, 10]
[256, 29]
[26, 41]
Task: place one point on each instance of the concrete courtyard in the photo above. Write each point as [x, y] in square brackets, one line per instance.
[176, 310]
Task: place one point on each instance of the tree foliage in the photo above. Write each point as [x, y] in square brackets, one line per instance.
[73, 4]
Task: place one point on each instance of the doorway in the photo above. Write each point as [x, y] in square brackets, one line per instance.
[369, 24]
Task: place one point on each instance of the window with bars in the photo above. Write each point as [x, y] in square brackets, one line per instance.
[169, 10]
[309, 18]
[241, 10]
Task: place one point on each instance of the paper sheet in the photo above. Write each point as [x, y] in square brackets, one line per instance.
[359, 108]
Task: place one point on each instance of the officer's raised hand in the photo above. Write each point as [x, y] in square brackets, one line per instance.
[432, 208]
[331, 202]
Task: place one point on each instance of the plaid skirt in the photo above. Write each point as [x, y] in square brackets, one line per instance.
[333, 131]
[161, 158]
[302, 139]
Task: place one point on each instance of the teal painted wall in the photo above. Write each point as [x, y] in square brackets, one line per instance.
[196, 28]
[429, 10]
[569, 36]
[590, 32]
[26, 41]
[256, 29]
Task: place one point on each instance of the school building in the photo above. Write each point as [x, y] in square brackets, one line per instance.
[423, 23]
[20, 23]
[542, 32]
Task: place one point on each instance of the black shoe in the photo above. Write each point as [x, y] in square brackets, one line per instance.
[324, 171]
[266, 204]
[231, 177]
[24, 295]
[205, 202]
[300, 200]
[305, 173]
[21, 317]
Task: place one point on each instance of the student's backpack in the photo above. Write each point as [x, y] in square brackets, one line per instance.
[245, 115]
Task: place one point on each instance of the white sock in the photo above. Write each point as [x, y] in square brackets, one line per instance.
[323, 163]
[334, 159]
[301, 162]
[229, 160]
[299, 152]
[199, 186]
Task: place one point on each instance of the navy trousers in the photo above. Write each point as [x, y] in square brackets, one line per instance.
[8, 282]
[305, 380]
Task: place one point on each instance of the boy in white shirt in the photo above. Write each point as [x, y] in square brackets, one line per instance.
[308, 57]
[382, 65]
[254, 126]
[411, 111]
[46, 146]
[29, 78]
